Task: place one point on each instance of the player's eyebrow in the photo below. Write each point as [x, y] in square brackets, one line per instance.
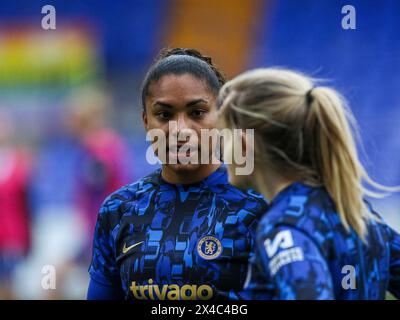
[197, 101]
[162, 104]
[188, 105]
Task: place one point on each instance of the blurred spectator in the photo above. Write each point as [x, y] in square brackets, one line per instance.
[82, 162]
[102, 164]
[14, 206]
[100, 170]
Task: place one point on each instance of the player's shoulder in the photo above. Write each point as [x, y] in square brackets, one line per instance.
[118, 202]
[378, 225]
[230, 192]
[247, 199]
[219, 185]
[304, 208]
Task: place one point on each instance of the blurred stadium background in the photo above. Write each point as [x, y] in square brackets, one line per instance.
[70, 113]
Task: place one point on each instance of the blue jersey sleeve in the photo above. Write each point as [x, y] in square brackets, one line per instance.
[394, 282]
[100, 291]
[103, 268]
[295, 264]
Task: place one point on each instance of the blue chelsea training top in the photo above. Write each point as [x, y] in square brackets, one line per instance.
[155, 240]
[303, 251]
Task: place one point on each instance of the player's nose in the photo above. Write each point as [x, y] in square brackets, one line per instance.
[182, 123]
[181, 128]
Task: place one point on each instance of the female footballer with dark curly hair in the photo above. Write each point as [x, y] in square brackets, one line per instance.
[181, 232]
[320, 238]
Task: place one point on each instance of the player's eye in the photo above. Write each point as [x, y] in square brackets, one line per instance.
[164, 115]
[197, 113]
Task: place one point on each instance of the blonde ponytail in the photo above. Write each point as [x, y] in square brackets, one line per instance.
[305, 131]
[337, 159]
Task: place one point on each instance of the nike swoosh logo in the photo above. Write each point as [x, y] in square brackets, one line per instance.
[125, 249]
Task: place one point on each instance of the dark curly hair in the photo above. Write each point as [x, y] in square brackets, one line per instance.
[180, 61]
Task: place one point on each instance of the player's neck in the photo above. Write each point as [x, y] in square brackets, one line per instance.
[188, 177]
[271, 183]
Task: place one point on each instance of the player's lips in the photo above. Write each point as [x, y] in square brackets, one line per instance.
[177, 147]
[175, 151]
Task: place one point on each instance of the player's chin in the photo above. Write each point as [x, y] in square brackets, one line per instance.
[181, 168]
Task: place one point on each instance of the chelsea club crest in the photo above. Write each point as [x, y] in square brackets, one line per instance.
[209, 247]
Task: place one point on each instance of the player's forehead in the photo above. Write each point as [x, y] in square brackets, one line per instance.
[179, 90]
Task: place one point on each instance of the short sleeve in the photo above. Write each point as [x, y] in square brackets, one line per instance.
[103, 267]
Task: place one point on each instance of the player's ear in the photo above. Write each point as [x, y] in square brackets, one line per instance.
[144, 119]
